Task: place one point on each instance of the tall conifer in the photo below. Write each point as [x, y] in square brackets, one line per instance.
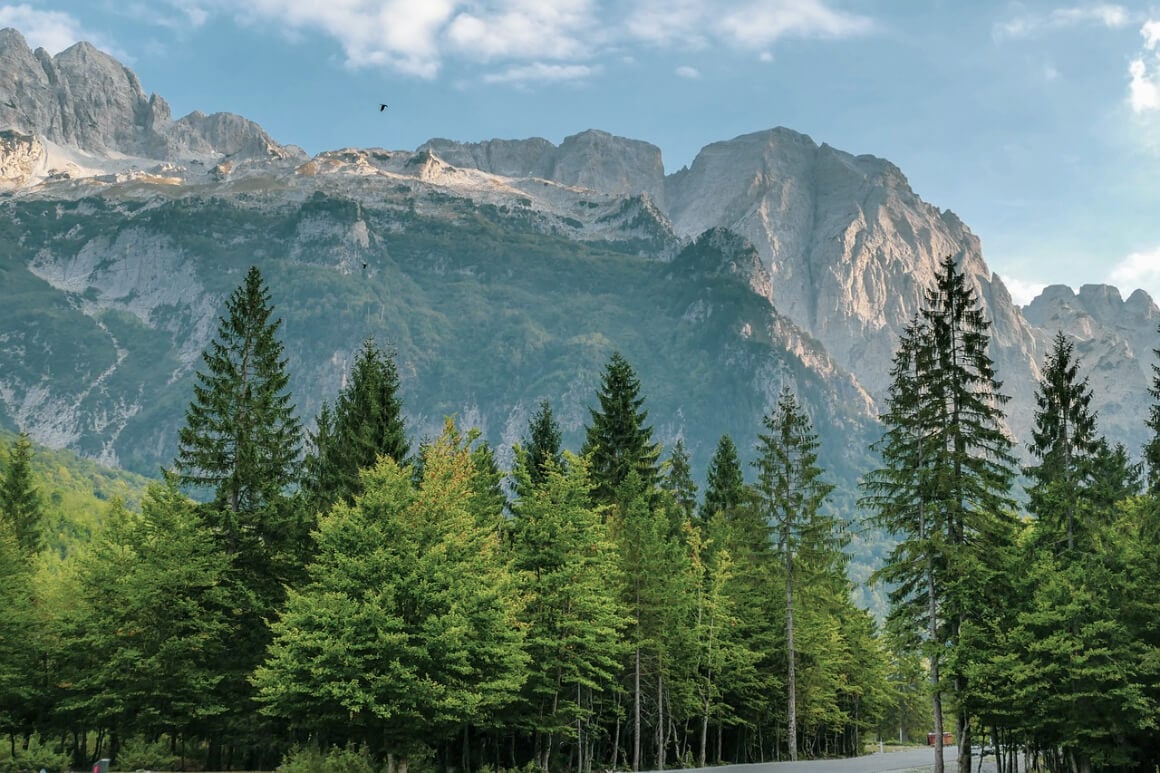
[20, 502]
[1152, 449]
[725, 481]
[945, 487]
[1064, 442]
[543, 444]
[365, 423]
[790, 493]
[241, 439]
[618, 440]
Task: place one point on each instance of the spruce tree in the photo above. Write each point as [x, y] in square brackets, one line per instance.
[20, 503]
[618, 441]
[366, 423]
[900, 498]
[791, 493]
[543, 444]
[725, 482]
[1064, 442]
[1152, 449]
[945, 487]
[678, 481]
[241, 439]
[241, 442]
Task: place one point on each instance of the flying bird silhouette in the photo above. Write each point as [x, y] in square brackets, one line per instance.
[382, 107]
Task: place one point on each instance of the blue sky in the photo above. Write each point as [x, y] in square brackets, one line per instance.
[1038, 123]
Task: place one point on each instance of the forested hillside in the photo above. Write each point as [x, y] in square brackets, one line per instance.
[358, 597]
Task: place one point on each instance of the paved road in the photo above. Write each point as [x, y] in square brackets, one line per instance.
[912, 760]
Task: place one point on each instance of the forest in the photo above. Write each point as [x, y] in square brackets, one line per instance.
[351, 598]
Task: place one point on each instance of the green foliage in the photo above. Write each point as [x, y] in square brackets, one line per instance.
[618, 441]
[1064, 442]
[408, 627]
[944, 487]
[20, 501]
[351, 758]
[38, 755]
[790, 493]
[367, 423]
[677, 480]
[1152, 448]
[543, 444]
[725, 485]
[241, 439]
[136, 753]
[150, 637]
[568, 574]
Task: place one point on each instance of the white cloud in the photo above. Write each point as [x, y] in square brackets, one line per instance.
[1144, 71]
[1151, 33]
[541, 72]
[522, 29]
[1031, 25]
[52, 30]
[418, 38]
[1022, 292]
[685, 71]
[1144, 89]
[759, 24]
[1138, 270]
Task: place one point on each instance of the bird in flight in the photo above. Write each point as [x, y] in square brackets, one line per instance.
[382, 107]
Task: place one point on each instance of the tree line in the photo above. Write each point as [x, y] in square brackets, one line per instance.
[341, 594]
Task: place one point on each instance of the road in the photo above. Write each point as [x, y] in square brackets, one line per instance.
[921, 759]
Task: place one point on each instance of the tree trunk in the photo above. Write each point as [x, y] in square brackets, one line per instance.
[661, 727]
[791, 681]
[636, 714]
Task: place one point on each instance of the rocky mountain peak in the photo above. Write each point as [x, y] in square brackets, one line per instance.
[592, 159]
[84, 98]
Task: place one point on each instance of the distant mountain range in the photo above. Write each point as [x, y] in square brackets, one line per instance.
[502, 273]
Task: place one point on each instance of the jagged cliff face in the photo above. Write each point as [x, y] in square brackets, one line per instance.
[1114, 340]
[85, 99]
[771, 260]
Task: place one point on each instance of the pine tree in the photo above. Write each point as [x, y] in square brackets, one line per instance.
[366, 423]
[1152, 449]
[319, 466]
[678, 481]
[20, 503]
[725, 483]
[543, 444]
[241, 439]
[568, 570]
[1064, 441]
[618, 441]
[790, 493]
[900, 497]
[945, 486]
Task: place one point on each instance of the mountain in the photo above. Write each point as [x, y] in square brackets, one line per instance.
[502, 272]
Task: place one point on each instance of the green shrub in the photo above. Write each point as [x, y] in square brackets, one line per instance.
[139, 754]
[36, 757]
[310, 759]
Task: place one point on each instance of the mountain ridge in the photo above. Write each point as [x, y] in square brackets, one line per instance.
[109, 202]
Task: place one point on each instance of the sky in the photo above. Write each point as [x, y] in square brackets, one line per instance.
[1038, 123]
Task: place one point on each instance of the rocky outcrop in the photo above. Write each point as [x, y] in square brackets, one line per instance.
[592, 159]
[86, 99]
[1114, 340]
[848, 245]
[21, 156]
